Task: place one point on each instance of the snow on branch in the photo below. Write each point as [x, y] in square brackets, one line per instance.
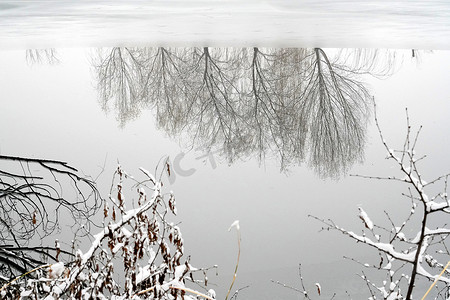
[387, 248]
[404, 259]
[139, 254]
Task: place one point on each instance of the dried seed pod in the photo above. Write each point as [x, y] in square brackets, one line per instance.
[58, 249]
[319, 289]
[172, 204]
[119, 194]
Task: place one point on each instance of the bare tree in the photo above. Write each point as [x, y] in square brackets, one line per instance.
[31, 199]
[408, 259]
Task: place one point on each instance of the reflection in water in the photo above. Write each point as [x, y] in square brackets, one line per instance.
[295, 104]
[42, 56]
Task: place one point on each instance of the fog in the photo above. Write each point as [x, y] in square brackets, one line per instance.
[52, 109]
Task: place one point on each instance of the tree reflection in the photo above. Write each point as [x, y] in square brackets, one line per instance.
[336, 108]
[41, 56]
[296, 104]
[119, 77]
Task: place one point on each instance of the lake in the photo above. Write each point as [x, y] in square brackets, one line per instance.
[55, 104]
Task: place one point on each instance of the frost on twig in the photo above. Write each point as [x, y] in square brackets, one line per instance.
[303, 291]
[139, 254]
[407, 258]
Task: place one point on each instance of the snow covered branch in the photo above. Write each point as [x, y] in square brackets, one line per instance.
[406, 259]
[130, 258]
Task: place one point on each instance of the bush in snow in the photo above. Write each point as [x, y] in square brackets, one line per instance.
[139, 254]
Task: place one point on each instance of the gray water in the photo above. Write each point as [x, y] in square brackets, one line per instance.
[272, 207]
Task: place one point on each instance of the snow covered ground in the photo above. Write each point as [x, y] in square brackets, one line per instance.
[287, 23]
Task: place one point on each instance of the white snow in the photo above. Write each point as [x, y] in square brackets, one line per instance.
[152, 255]
[117, 247]
[430, 260]
[143, 274]
[423, 272]
[384, 247]
[430, 232]
[234, 224]
[231, 22]
[433, 206]
[112, 227]
[26, 293]
[401, 236]
[56, 270]
[179, 270]
[418, 183]
[363, 216]
[212, 293]
[126, 232]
